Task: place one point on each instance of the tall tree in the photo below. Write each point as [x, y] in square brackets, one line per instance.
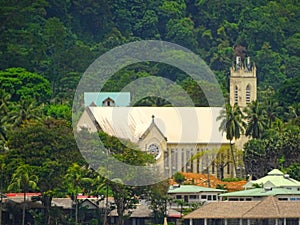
[22, 84]
[256, 120]
[24, 179]
[51, 176]
[269, 104]
[157, 194]
[50, 147]
[76, 181]
[222, 160]
[232, 123]
[51, 139]
[100, 186]
[277, 148]
[125, 196]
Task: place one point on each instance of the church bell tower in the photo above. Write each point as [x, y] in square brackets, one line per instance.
[242, 82]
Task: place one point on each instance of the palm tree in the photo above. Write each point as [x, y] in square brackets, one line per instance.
[76, 178]
[270, 105]
[23, 179]
[256, 120]
[26, 110]
[99, 183]
[272, 110]
[232, 123]
[3, 131]
[4, 101]
[207, 156]
[2, 167]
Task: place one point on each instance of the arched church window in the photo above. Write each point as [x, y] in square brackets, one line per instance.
[236, 95]
[248, 94]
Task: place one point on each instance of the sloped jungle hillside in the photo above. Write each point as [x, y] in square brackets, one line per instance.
[59, 39]
[46, 45]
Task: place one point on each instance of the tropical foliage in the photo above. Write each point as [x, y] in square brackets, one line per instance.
[46, 45]
[232, 123]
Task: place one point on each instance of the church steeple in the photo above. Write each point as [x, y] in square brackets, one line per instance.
[242, 79]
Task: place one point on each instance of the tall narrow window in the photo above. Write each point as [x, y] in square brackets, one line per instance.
[248, 95]
[198, 161]
[192, 162]
[213, 167]
[186, 160]
[173, 159]
[228, 159]
[236, 94]
[166, 161]
[183, 162]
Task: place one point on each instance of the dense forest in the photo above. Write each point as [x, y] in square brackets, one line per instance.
[59, 39]
[46, 45]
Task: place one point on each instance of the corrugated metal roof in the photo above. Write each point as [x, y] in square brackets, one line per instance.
[191, 189]
[260, 192]
[275, 178]
[144, 211]
[120, 98]
[141, 211]
[178, 124]
[275, 172]
[65, 203]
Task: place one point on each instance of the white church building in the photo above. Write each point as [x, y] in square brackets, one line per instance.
[174, 135]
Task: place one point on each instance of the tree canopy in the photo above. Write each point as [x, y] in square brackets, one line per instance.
[46, 45]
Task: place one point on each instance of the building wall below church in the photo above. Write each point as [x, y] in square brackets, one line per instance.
[198, 158]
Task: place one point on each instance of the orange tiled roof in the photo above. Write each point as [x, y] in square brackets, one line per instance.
[202, 180]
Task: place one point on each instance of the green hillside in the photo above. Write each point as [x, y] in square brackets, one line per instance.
[45, 47]
[59, 39]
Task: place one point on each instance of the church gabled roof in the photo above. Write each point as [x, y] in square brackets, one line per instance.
[177, 124]
[152, 126]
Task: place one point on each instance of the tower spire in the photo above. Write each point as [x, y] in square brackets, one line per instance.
[242, 79]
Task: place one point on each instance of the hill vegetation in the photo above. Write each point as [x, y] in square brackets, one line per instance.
[46, 45]
[59, 39]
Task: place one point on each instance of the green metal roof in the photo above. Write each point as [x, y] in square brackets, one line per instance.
[122, 99]
[275, 178]
[258, 192]
[191, 189]
[275, 172]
